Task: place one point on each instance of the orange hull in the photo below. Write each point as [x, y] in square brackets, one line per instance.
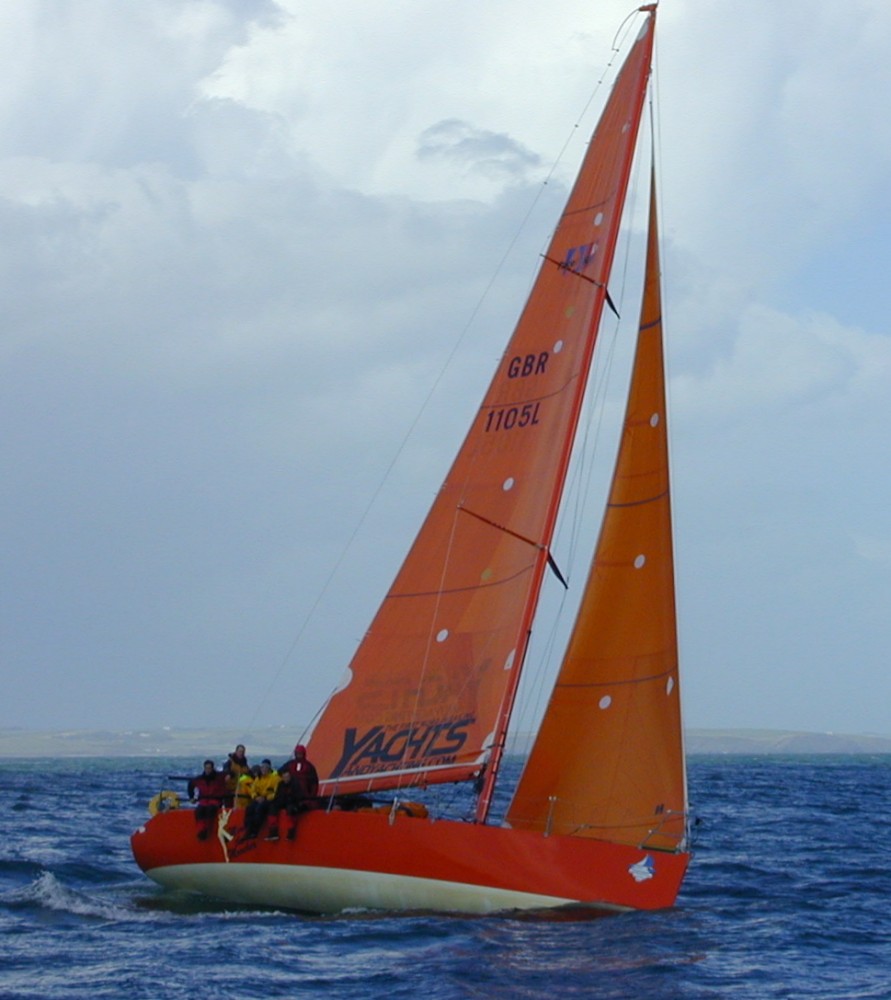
[342, 860]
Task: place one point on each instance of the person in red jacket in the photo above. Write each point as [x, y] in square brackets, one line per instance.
[304, 776]
[209, 789]
[297, 791]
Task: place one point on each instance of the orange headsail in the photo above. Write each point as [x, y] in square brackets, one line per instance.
[431, 685]
[608, 760]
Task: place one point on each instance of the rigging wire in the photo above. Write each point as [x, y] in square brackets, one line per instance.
[656, 129]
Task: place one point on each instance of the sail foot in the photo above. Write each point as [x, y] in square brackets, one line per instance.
[662, 830]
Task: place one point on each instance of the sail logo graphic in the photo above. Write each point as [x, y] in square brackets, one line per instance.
[578, 258]
[383, 748]
[643, 870]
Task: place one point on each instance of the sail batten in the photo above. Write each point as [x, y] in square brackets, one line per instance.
[639, 503]
[613, 682]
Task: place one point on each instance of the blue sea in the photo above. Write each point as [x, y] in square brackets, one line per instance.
[788, 896]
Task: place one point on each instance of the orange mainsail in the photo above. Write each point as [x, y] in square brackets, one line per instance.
[431, 686]
[608, 761]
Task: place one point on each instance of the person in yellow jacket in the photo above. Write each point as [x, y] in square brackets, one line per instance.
[244, 787]
[236, 765]
[263, 789]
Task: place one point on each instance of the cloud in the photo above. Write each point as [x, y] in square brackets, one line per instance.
[873, 549]
[476, 149]
[780, 361]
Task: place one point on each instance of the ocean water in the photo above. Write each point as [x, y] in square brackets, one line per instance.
[788, 896]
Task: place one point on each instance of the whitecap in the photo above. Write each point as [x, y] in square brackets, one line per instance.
[48, 892]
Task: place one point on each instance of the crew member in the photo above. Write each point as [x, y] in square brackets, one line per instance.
[299, 787]
[244, 787]
[263, 792]
[236, 765]
[209, 789]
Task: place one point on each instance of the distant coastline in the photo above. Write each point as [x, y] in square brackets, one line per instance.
[278, 741]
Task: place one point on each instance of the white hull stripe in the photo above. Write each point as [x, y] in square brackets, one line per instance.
[331, 890]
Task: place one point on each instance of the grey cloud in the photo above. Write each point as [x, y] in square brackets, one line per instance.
[493, 154]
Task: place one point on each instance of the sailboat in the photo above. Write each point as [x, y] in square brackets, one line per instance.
[598, 818]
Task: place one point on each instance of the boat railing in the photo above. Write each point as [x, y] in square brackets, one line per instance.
[670, 833]
[677, 840]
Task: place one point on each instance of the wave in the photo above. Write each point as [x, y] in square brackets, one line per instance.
[46, 892]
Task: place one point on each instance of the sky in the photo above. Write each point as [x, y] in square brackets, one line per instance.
[259, 259]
